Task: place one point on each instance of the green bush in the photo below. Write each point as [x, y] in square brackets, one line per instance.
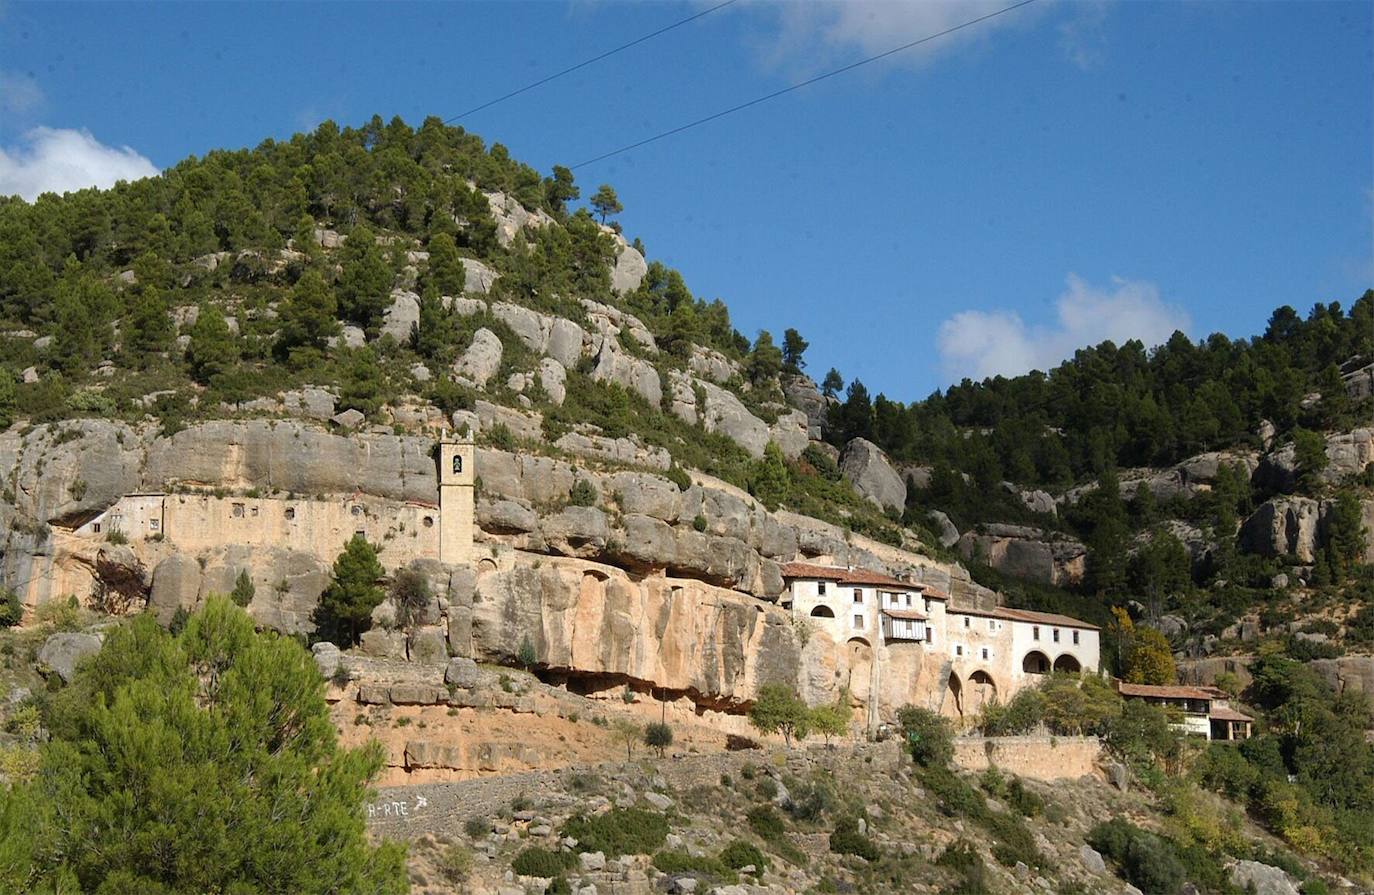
[541, 862]
[846, 839]
[766, 822]
[742, 854]
[1022, 800]
[455, 863]
[1146, 861]
[767, 788]
[11, 610]
[582, 494]
[963, 859]
[477, 827]
[681, 862]
[929, 737]
[620, 831]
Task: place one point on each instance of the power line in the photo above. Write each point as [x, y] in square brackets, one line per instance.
[639, 40]
[777, 93]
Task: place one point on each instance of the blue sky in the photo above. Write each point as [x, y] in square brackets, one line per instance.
[986, 203]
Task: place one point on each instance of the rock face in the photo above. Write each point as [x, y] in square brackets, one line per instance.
[629, 270]
[402, 316]
[1347, 454]
[1262, 879]
[872, 475]
[1354, 674]
[1296, 526]
[479, 278]
[1026, 552]
[683, 636]
[615, 365]
[802, 393]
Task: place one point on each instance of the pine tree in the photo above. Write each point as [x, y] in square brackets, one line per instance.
[435, 332]
[364, 383]
[833, 382]
[172, 761]
[8, 399]
[446, 271]
[364, 286]
[243, 591]
[771, 480]
[605, 202]
[74, 346]
[765, 359]
[345, 609]
[559, 190]
[793, 347]
[148, 330]
[213, 351]
[308, 318]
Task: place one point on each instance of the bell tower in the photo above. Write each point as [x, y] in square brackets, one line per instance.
[456, 511]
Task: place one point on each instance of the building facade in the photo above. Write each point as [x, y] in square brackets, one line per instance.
[1201, 711]
[981, 655]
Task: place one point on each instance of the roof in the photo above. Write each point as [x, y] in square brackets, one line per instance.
[1228, 714]
[846, 576]
[1027, 615]
[910, 614]
[1169, 692]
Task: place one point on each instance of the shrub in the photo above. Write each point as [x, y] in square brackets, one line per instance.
[678, 476]
[411, 594]
[681, 862]
[929, 737]
[742, 854]
[455, 863]
[846, 839]
[963, 859]
[243, 591]
[541, 862]
[658, 736]
[1223, 769]
[1022, 800]
[620, 831]
[11, 610]
[526, 654]
[766, 822]
[809, 801]
[500, 437]
[1146, 861]
[699, 522]
[582, 494]
[767, 788]
[477, 827]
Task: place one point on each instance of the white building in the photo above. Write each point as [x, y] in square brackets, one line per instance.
[982, 654]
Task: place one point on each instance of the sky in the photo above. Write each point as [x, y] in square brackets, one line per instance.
[982, 204]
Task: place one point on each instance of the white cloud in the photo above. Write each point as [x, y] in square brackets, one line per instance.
[979, 344]
[50, 160]
[811, 31]
[1083, 36]
[19, 94]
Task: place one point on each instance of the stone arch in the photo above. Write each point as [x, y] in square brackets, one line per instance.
[1036, 662]
[984, 689]
[953, 703]
[859, 653]
[1068, 662]
[486, 564]
[822, 611]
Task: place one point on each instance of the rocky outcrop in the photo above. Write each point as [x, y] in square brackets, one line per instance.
[1296, 526]
[613, 323]
[61, 653]
[711, 364]
[1261, 879]
[629, 270]
[869, 471]
[512, 217]
[478, 277]
[802, 393]
[553, 378]
[402, 316]
[615, 365]
[1025, 552]
[557, 337]
[1348, 674]
[1347, 454]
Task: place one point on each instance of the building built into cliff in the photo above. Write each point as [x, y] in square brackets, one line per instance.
[1201, 711]
[981, 654]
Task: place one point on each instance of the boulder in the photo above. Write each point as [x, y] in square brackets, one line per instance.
[790, 433]
[872, 476]
[553, 379]
[801, 392]
[402, 316]
[651, 495]
[615, 365]
[564, 343]
[711, 364]
[62, 652]
[576, 531]
[1283, 526]
[725, 414]
[479, 278]
[349, 419]
[629, 270]
[462, 673]
[1092, 859]
[1348, 674]
[506, 517]
[482, 358]
[311, 402]
[525, 426]
[1261, 879]
[945, 531]
[1027, 552]
[530, 327]
[327, 658]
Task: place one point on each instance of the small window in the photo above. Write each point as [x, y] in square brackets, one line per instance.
[361, 534]
[820, 588]
[237, 511]
[1035, 632]
[992, 624]
[154, 524]
[95, 527]
[985, 652]
[1075, 638]
[908, 599]
[457, 464]
[290, 513]
[930, 636]
[427, 522]
[858, 595]
[967, 621]
[253, 511]
[958, 649]
[357, 510]
[858, 621]
[1055, 635]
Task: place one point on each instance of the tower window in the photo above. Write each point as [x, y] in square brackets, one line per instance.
[858, 595]
[457, 464]
[428, 521]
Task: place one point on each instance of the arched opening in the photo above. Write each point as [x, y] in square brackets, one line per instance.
[486, 564]
[1036, 662]
[984, 689]
[953, 704]
[1067, 662]
[822, 612]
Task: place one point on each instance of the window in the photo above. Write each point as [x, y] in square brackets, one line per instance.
[154, 524]
[1035, 633]
[930, 636]
[858, 621]
[985, 652]
[253, 511]
[858, 595]
[958, 649]
[967, 621]
[457, 464]
[820, 588]
[238, 511]
[290, 513]
[908, 600]
[1075, 638]
[360, 533]
[95, 527]
[357, 510]
[428, 522]
[992, 626]
[1055, 635]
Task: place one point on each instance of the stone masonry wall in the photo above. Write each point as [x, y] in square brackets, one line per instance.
[1036, 757]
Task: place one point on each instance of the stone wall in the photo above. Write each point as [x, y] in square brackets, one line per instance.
[1037, 757]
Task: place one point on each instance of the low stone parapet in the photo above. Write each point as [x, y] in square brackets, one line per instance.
[1037, 757]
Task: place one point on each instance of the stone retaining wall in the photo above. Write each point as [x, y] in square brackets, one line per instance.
[1036, 757]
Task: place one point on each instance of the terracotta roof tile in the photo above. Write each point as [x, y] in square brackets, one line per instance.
[1228, 714]
[846, 576]
[911, 614]
[1026, 615]
[1168, 692]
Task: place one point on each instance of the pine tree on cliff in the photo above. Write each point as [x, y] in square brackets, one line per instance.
[345, 609]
